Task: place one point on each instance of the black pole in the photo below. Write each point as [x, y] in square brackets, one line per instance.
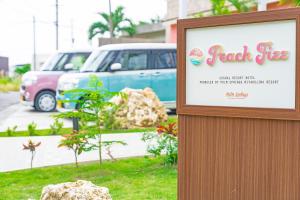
[75, 121]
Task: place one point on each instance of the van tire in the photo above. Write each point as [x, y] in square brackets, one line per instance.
[45, 101]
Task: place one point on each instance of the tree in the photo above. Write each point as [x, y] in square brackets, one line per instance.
[77, 142]
[20, 70]
[219, 7]
[295, 2]
[94, 112]
[119, 24]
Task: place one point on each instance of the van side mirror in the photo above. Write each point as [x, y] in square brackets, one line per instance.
[69, 66]
[115, 67]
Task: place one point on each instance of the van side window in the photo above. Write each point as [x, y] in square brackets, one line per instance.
[164, 59]
[133, 60]
[78, 60]
[61, 63]
[174, 57]
[107, 61]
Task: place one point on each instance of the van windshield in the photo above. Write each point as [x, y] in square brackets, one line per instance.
[58, 61]
[51, 62]
[94, 61]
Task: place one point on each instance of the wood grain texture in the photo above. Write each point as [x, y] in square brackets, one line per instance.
[238, 159]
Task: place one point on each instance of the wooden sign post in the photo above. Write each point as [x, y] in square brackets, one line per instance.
[238, 88]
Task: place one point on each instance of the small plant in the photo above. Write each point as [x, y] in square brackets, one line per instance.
[56, 127]
[31, 146]
[11, 131]
[31, 128]
[164, 142]
[77, 141]
[107, 145]
[94, 112]
[108, 117]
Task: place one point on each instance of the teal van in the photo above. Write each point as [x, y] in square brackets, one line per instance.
[119, 66]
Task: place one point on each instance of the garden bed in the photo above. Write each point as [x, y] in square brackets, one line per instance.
[47, 132]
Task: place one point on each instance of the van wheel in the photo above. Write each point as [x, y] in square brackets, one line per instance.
[45, 101]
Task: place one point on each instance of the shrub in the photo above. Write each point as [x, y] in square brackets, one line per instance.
[56, 127]
[165, 141]
[8, 84]
[11, 131]
[31, 128]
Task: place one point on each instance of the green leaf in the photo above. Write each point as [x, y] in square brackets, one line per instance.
[119, 24]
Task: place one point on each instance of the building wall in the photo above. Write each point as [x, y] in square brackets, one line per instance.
[157, 36]
[194, 7]
[151, 31]
[172, 15]
[105, 41]
[3, 66]
[171, 31]
[155, 32]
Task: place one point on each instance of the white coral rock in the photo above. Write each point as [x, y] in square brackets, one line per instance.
[141, 108]
[79, 190]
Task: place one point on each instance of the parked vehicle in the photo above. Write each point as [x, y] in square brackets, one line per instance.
[38, 87]
[126, 65]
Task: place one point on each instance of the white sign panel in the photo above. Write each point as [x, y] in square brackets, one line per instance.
[249, 65]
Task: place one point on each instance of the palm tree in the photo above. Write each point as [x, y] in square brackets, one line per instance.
[119, 24]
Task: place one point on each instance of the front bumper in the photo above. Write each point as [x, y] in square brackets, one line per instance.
[26, 103]
[63, 106]
[24, 97]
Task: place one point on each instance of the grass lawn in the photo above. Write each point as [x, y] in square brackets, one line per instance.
[128, 179]
[46, 132]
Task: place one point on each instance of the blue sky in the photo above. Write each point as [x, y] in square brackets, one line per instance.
[16, 36]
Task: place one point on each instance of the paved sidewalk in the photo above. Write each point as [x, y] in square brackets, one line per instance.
[22, 116]
[12, 157]
[8, 99]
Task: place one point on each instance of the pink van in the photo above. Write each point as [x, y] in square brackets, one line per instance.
[38, 87]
